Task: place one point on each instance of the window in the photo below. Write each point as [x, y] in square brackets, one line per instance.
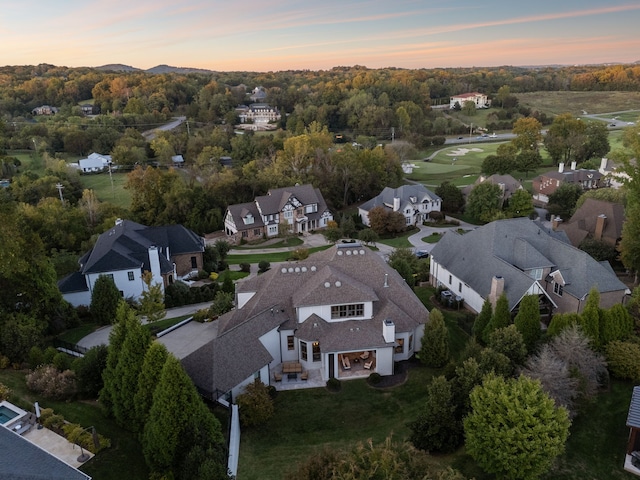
[257, 232]
[288, 214]
[303, 350]
[290, 344]
[194, 262]
[536, 273]
[449, 279]
[315, 347]
[557, 289]
[460, 286]
[346, 311]
[408, 220]
[245, 234]
[130, 275]
[400, 345]
[410, 342]
[110, 276]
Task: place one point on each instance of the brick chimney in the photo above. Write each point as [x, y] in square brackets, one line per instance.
[555, 222]
[601, 221]
[497, 287]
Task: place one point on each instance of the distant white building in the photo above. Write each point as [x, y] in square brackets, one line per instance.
[94, 163]
[480, 100]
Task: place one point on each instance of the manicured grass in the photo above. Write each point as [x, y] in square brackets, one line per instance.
[233, 274]
[123, 460]
[290, 242]
[400, 241]
[100, 183]
[163, 324]
[269, 257]
[556, 103]
[74, 335]
[433, 238]
[307, 420]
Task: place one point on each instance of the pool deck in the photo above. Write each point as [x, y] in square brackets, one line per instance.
[56, 445]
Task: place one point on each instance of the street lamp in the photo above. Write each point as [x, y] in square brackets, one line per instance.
[470, 130]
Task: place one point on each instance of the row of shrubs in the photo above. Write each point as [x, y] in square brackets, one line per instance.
[73, 432]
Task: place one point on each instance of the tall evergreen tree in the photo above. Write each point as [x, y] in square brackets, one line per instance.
[527, 321]
[501, 316]
[104, 300]
[176, 411]
[109, 392]
[127, 371]
[434, 351]
[154, 360]
[482, 320]
[590, 317]
[437, 429]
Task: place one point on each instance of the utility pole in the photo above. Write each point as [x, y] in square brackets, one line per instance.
[470, 130]
[393, 134]
[188, 131]
[59, 186]
[113, 192]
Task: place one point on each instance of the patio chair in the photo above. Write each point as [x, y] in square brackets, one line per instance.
[364, 355]
[277, 377]
[368, 364]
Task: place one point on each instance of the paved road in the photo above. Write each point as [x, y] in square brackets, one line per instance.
[151, 134]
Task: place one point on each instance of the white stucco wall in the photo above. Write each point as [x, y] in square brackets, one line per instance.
[384, 361]
[78, 298]
[271, 341]
[288, 355]
[130, 288]
[471, 298]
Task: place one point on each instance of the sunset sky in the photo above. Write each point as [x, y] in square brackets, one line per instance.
[290, 34]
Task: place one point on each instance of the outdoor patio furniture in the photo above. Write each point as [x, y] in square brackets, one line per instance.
[277, 377]
[291, 367]
[346, 365]
[292, 376]
[304, 375]
[364, 355]
[368, 364]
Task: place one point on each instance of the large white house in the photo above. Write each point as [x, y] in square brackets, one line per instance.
[302, 207]
[126, 251]
[415, 202]
[479, 99]
[342, 313]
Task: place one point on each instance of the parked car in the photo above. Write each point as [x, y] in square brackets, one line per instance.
[422, 253]
[493, 135]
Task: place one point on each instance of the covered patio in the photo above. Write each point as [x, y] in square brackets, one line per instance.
[356, 364]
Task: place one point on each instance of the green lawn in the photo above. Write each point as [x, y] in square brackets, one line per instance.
[400, 241]
[163, 324]
[74, 335]
[236, 259]
[289, 242]
[433, 238]
[100, 183]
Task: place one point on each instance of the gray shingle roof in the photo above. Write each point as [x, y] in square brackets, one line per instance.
[404, 193]
[22, 460]
[500, 247]
[237, 352]
[126, 245]
[633, 418]
[583, 222]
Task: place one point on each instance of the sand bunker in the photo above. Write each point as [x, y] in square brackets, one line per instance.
[460, 152]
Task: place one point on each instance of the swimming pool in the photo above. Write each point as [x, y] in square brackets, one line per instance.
[6, 414]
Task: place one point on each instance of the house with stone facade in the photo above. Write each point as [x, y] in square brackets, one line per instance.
[301, 207]
[414, 201]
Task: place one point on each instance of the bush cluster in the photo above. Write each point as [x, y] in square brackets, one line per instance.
[52, 383]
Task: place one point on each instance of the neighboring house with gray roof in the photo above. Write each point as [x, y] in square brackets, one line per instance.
[344, 302]
[126, 251]
[508, 185]
[595, 219]
[632, 464]
[414, 201]
[22, 460]
[520, 257]
[302, 207]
